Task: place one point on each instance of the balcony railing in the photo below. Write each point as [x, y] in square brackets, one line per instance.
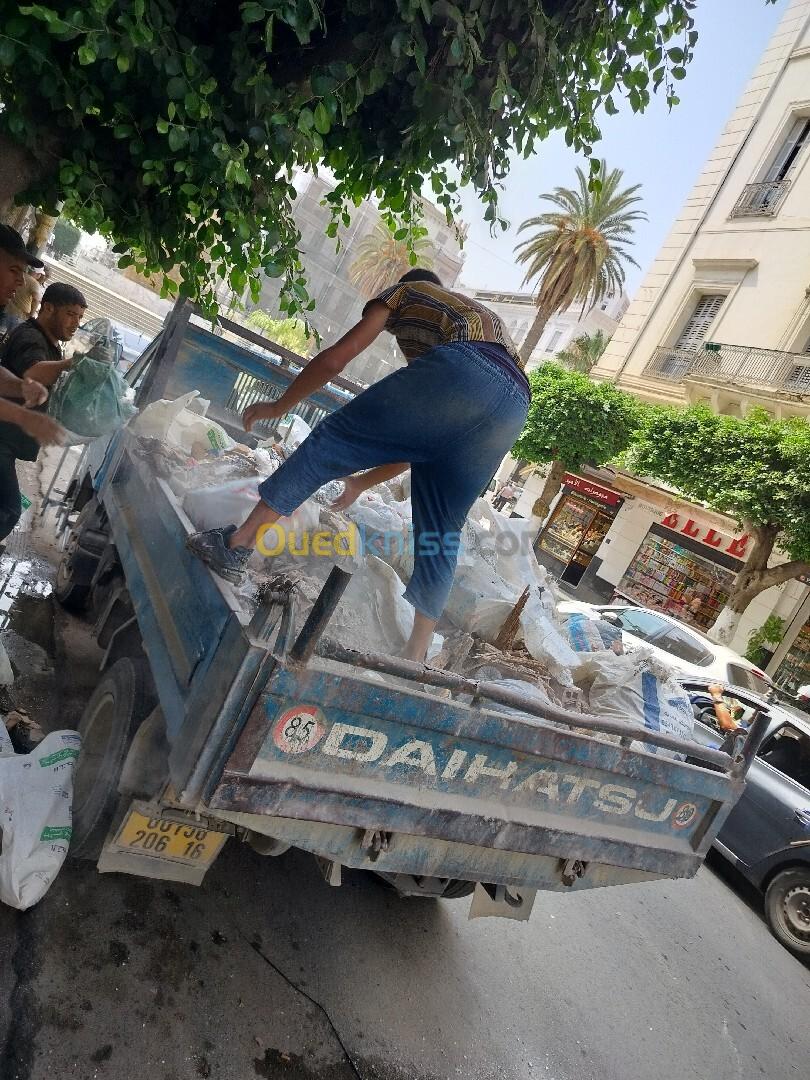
[761, 200]
[767, 368]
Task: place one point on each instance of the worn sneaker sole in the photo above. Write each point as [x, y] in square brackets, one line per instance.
[235, 577]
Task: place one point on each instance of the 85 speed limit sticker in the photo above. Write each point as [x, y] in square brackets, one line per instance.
[299, 729]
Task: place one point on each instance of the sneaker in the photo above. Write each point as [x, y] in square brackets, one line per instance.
[211, 547]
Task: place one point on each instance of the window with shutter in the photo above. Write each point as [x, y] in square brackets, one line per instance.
[797, 138]
[694, 333]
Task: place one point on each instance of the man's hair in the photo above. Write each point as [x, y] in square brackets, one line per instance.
[62, 295]
[420, 275]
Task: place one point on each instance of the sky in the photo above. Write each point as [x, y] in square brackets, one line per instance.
[663, 151]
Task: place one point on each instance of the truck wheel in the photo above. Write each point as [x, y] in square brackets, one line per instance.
[77, 566]
[122, 700]
[456, 889]
[787, 909]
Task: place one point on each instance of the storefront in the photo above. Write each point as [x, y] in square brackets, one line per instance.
[794, 670]
[578, 524]
[671, 574]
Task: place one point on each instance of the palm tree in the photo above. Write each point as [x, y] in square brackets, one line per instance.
[578, 251]
[382, 260]
[583, 352]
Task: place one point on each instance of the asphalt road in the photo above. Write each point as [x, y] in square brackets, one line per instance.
[266, 971]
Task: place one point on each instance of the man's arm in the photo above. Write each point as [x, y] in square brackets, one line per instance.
[47, 372]
[28, 390]
[323, 367]
[38, 425]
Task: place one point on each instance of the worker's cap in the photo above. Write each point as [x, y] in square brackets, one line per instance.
[13, 243]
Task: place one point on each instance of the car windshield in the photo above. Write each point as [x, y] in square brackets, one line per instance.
[686, 646]
[641, 624]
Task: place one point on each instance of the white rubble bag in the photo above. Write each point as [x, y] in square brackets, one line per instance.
[36, 802]
[183, 423]
[293, 430]
[230, 504]
[637, 689]
[544, 639]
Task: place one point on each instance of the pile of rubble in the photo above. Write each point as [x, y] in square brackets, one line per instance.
[502, 621]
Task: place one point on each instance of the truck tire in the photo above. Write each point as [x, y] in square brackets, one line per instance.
[456, 889]
[787, 909]
[77, 566]
[120, 702]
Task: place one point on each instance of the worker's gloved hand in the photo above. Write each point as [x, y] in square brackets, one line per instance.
[261, 410]
[353, 488]
[33, 393]
[42, 428]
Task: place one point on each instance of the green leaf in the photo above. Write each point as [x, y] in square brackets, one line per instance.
[176, 87]
[321, 117]
[610, 106]
[678, 73]
[162, 125]
[253, 13]
[306, 120]
[86, 54]
[123, 62]
[178, 138]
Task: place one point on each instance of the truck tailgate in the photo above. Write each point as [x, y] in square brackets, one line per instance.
[329, 744]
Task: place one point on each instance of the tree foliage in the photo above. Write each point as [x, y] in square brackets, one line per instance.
[291, 333]
[754, 468]
[66, 238]
[578, 251]
[575, 421]
[173, 127]
[583, 352]
[382, 259]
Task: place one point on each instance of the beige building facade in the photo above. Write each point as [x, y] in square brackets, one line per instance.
[723, 317]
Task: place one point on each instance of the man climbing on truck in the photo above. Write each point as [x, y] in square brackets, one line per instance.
[451, 414]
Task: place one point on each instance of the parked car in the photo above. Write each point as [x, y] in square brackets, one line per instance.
[687, 650]
[767, 834]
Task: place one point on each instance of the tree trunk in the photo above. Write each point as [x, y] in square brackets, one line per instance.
[534, 334]
[40, 232]
[18, 170]
[754, 578]
[552, 485]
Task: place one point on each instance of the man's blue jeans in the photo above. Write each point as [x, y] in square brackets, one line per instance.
[453, 414]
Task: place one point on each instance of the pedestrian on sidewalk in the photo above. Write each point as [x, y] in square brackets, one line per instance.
[450, 414]
[32, 352]
[25, 302]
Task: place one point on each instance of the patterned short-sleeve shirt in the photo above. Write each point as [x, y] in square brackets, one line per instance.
[424, 315]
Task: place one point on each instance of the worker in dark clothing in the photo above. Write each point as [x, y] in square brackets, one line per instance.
[32, 353]
[20, 419]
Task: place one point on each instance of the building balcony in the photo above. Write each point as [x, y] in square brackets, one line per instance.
[761, 200]
[766, 369]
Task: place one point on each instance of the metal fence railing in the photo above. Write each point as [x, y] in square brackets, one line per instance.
[760, 200]
[747, 366]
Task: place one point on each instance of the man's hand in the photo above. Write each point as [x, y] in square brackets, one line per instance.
[42, 428]
[262, 410]
[33, 393]
[354, 487]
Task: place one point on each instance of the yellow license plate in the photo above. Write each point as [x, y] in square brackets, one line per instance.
[163, 839]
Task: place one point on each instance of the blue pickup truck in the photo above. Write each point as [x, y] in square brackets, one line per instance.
[213, 722]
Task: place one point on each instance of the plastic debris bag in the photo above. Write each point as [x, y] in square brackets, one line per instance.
[545, 641]
[230, 504]
[637, 689]
[583, 634]
[181, 423]
[90, 400]
[36, 802]
[480, 600]
[293, 430]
